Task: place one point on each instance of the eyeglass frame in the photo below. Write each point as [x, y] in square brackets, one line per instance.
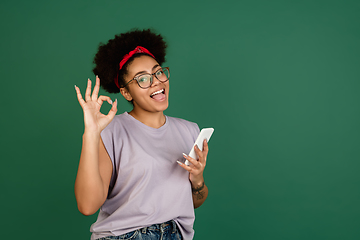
[151, 78]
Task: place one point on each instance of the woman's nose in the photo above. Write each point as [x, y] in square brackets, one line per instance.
[155, 81]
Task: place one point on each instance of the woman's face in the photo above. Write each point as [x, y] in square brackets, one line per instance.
[152, 99]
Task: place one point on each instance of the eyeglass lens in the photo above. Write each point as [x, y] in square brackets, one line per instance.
[146, 80]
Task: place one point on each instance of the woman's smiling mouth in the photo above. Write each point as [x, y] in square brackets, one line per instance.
[158, 95]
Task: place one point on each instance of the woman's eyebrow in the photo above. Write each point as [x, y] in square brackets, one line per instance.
[154, 67]
[141, 72]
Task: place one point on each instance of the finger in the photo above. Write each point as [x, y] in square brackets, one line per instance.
[201, 154]
[101, 99]
[88, 90]
[206, 146]
[113, 110]
[95, 93]
[79, 96]
[205, 149]
[198, 152]
[196, 163]
[184, 166]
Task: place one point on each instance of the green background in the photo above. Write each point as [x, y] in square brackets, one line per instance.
[278, 80]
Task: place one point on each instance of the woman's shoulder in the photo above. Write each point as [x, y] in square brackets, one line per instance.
[192, 126]
[180, 120]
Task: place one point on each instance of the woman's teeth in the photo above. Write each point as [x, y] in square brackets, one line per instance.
[157, 92]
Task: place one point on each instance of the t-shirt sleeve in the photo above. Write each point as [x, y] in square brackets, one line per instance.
[194, 130]
[108, 140]
[107, 136]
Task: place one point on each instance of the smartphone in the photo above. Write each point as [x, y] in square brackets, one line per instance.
[205, 133]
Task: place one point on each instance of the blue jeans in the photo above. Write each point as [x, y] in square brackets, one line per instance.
[163, 231]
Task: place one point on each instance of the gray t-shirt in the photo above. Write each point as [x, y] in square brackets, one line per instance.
[147, 184]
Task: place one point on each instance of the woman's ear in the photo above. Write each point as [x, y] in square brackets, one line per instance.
[126, 94]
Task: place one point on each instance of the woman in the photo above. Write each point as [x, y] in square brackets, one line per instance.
[131, 165]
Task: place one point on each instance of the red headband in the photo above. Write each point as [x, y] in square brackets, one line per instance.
[138, 49]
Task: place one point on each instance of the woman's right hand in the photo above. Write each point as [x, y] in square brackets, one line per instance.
[94, 120]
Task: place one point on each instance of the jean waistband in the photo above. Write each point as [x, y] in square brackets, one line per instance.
[169, 225]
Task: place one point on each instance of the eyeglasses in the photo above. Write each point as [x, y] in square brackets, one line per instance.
[146, 80]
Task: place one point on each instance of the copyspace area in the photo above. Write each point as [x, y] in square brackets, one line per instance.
[278, 80]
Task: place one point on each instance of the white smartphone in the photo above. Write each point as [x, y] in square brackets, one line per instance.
[205, 133]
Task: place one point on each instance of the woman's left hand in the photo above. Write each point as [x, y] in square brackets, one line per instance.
[196, 168]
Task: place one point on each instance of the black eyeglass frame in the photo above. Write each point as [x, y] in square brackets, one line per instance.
[151, 78]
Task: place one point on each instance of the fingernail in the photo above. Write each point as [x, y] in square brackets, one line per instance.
[111, 102]
[185, 155]
[180, 163]
[75, 87]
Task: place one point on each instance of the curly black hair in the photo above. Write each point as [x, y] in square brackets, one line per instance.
[109, 55]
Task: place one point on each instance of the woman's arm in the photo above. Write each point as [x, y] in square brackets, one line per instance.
[93, 176]
[95, 167]
[199, 194]
[196, 170]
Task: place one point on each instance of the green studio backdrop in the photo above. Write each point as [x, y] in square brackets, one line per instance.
[278, 80]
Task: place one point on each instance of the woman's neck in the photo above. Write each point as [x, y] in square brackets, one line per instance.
[151, 119]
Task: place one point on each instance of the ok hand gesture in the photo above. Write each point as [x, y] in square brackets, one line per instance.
[94, 120]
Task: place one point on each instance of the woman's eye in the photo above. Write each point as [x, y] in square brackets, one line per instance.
[143, 79]
[159, 73]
